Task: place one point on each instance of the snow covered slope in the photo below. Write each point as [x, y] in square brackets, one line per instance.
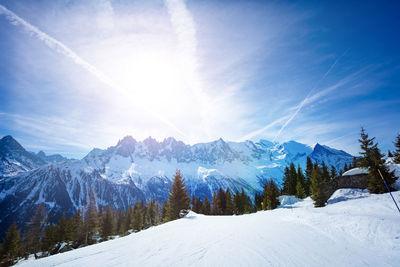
[340, 234]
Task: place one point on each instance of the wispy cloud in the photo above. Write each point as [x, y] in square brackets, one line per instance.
[185, 29]
[55, 45]
[61, 48]
[309, 98]
[260, 131]
[50, 127]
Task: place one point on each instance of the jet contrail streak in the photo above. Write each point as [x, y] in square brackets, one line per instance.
[66, 51]
[308, 96]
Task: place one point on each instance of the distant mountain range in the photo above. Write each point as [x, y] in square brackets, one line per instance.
[14, 159]
[142, 170]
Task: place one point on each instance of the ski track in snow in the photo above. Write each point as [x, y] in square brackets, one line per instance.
[361, 231]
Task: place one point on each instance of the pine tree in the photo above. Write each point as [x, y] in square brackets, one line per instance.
[36, 229]
[120, 222]
[145, 215]
[286, 181]
[325, 172]
[128, 218]
[137, 217]
[374, 160]
[49, 239]
[300, 184]
[108, 224]
[221, 202]
[196, 204]
[300, 192]
[193, 203]
[367, 146]
[78, 233]
[178, 197]
[246, 202]
[214, 208]
[237, 205]
[100, 218]
[396, 153]
[206, 209]
[12, 245]
[292, 180]
[158, 216]
[375, 183]
[345, 168]
[164, 211]
[318, 190]
[151, 212]
[62, 229]
[309, 169]
[229, 203]
[333, 173]
[271, 194]
[258, 202]
[390, 154]
[91, 220]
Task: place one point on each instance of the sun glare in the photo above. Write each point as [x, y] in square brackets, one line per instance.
[157, 81]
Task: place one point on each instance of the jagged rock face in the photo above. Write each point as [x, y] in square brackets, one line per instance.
[332, 157]
[51, 158]
[63, 188]
[15, 159]
[133, 171]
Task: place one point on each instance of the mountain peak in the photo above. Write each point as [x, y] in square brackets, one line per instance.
[149, 140]
[41, 154]
[170, 139]
[10, 143]
[220, 141]
[317, 145]
[8, 139]
[127, 140]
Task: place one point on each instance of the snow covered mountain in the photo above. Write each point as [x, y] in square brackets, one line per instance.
[340, 234]
[51, 158]
[14, 159]
[132, 171]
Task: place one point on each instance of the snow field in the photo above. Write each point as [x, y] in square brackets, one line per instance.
[357, 229]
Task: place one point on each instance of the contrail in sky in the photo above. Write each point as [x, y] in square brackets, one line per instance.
[66, 51]
[185, 29]
[308, 96]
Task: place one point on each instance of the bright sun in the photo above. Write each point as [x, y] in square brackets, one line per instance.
[154, 79]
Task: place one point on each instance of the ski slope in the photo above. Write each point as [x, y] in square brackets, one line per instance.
[356, 229]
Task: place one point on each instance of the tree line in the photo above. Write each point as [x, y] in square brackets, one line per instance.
[98, 224]
[315, 180]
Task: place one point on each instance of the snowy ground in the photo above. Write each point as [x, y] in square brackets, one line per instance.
[356, 229]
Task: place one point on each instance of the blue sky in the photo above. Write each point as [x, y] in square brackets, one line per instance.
[76, 75]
